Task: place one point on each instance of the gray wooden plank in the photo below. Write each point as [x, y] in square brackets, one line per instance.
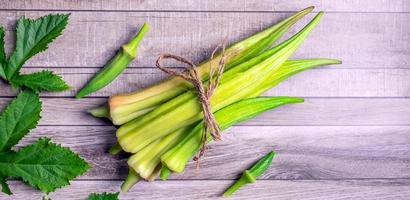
[323, 82]
[303, 152]
[205, 189]
[361, 40]
[210, 5]
[314, 111]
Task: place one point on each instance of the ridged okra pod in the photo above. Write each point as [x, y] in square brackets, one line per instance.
[184, 110]
[177, 157]
[125, 107]
[115, 66]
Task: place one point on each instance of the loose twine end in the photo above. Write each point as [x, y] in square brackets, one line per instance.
[204, 93]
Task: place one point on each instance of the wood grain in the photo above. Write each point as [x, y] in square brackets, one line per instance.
[322, 82]
[303, 152]
[349, 140]
[360, 40]
[201, 189]
[210, 5]
[314, 111]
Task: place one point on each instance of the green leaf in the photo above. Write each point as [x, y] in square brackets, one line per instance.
[33, 36]
[41, 81]
[103, 196]
[19, 117]
[3, 61]
[44, 165]
[4, 186]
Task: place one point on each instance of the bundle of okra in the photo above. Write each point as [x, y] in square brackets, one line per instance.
[161, 126]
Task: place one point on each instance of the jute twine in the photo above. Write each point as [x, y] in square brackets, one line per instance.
[204, 93]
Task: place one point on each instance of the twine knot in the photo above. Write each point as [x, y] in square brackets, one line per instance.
[204, 93]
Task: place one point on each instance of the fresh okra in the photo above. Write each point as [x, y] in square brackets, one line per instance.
[114, 67]
[184, 110]
[126, 107]
[145, 163]
[177, 158]
[250, 175]
[162, 125]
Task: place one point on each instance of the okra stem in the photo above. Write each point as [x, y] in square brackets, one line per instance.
[115, 149]
[130, 181]
[165, 173]
[239, 183]
[114, 67]
[100, 112]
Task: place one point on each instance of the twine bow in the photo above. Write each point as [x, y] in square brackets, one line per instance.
[204, 93]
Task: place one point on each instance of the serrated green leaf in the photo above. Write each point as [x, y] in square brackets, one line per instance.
[33, 36]
[3, 62]
[103, 196]
[41, 81]
[19, 117]
[4, 186]
[44, 165]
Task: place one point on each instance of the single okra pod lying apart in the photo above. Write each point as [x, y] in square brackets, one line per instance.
[250, 175]
[115, 66]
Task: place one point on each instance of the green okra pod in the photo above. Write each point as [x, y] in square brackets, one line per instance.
[115, 66]
[184, 110]
[165, 173]
[126, 107]
[250, 175]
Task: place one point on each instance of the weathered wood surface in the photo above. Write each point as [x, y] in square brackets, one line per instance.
[209, 5]
[349, 140]
[368, 40]
[304, 152]
[397, 189]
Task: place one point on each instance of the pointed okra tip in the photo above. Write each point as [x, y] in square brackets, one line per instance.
[308, 9]
[272, 154]
[320, 14]
[286, 99]
[294, 100]
[336, 61]
[269, 157]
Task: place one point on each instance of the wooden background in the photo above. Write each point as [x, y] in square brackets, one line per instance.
[349, 140]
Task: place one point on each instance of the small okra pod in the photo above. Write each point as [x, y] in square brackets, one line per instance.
[250, 175]
[115, 66]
